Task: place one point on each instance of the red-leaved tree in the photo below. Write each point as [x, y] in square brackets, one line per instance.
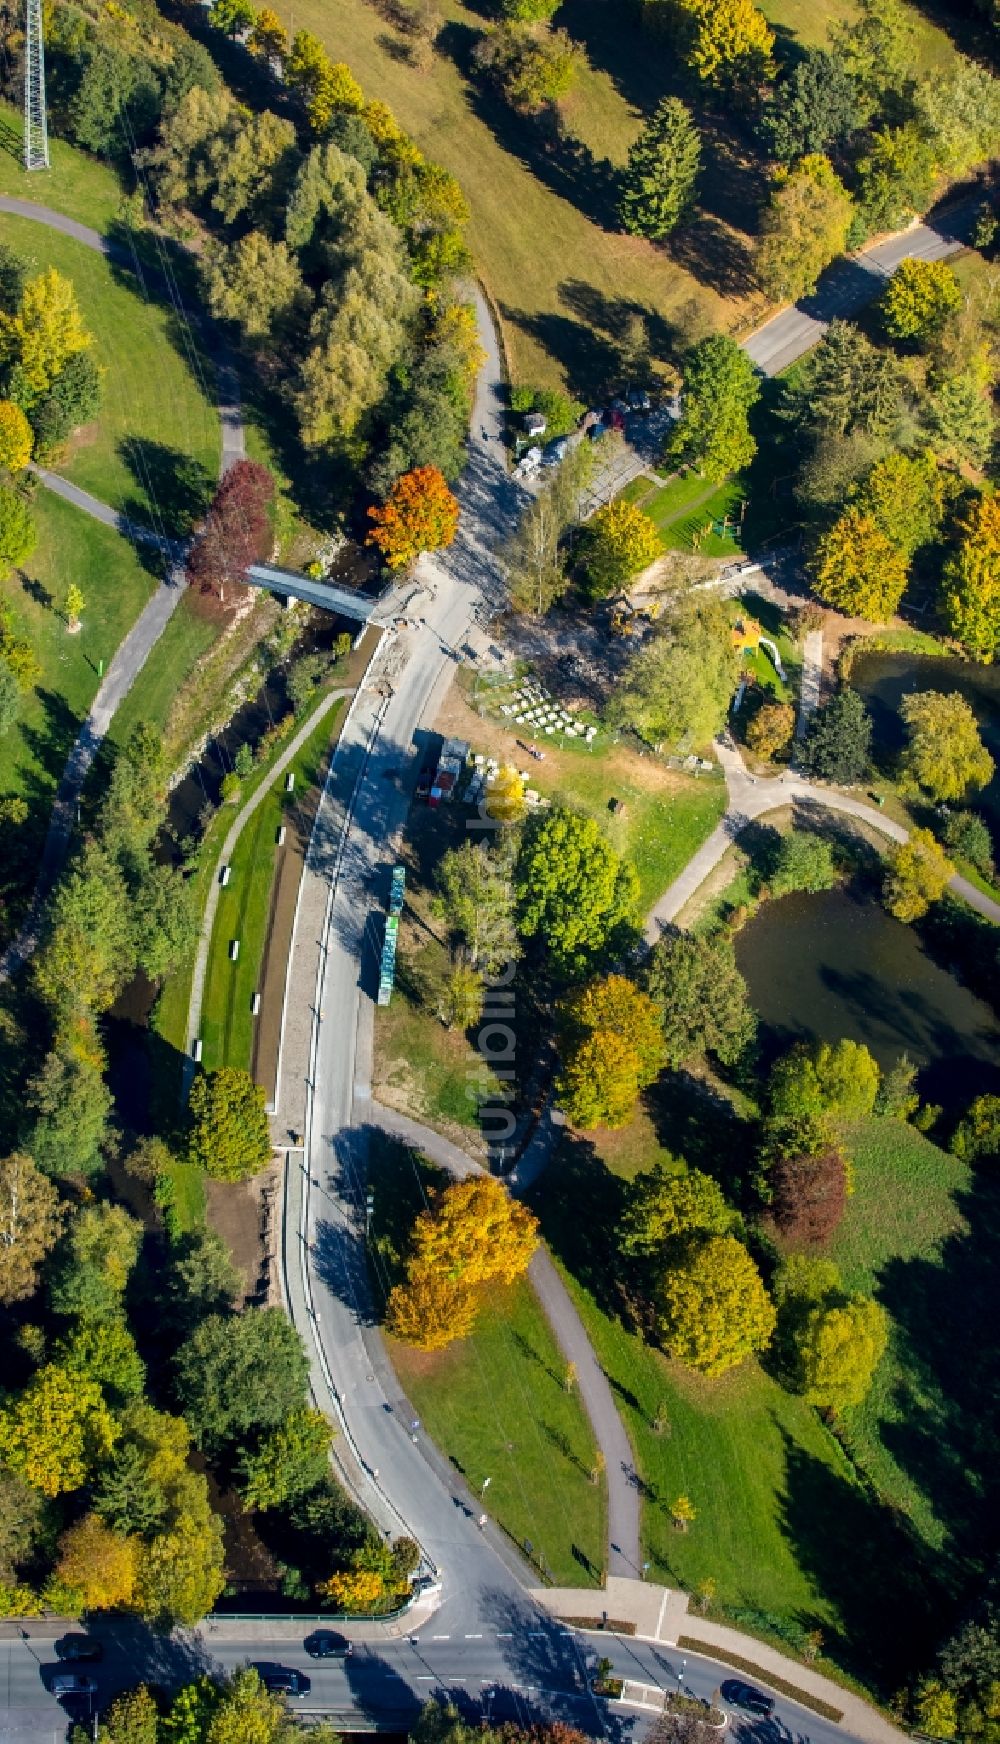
[235, 532]
[810, 1196]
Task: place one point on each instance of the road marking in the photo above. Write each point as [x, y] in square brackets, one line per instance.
[505, 1635]
[663, 1606]
[473, 1638]
[442, 1637]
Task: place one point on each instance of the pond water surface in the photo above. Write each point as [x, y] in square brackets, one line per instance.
[837, 965]
[884, 679]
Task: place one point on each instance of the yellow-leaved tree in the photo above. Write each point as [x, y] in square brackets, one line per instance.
[917, 875]
[45, 333]
[354, 1589]
[474, 1234]
[98, 1564]
[728, 42]
[713, 1310]
[58, 1431]
[612, 1046]
[858, 570]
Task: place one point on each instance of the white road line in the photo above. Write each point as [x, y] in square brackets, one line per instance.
[473, 1638]
[440, 1637]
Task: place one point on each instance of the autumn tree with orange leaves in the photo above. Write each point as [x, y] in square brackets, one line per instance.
[474, 1234]
[421, 514]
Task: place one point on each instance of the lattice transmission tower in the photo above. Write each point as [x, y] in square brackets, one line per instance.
[36, 131]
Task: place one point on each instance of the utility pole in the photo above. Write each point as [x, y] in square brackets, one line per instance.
[36, 132]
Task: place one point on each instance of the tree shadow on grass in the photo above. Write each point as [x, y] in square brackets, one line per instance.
[874, 1571]
[177, 488]
[579, 1202]
[695, 1122]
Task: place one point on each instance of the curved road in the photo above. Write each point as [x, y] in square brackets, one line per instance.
[135, 649]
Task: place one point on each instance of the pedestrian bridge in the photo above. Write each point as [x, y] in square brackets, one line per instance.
[323, 593]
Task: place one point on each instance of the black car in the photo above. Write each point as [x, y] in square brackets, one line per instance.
[324, 1644]
[284, 1680]
[743, 1695]
[79, 1649]
[72, 1683]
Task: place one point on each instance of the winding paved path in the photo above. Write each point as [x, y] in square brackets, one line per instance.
[135, 649]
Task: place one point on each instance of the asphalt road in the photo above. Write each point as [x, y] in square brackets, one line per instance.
[517, 1668]
[850, 284]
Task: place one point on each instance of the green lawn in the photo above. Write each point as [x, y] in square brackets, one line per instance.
[434, 1066]
[496, 1403]
[188, 636]
[70, 547]
[75, 183]
[903, 1238]
[227, 1023]
[154, 449]
[790, 1537]
[181, 1196]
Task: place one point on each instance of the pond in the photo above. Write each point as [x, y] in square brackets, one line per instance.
[837, 965]
[884, 679]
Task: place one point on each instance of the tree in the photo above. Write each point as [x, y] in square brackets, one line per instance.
[57, 1432]
[662, 1204]
[241, 1373]
[771, 729]
[17, 531]
[15, 437]
[944, 754]
[37, 342]
[660, 178]
[683, 1513]
[840, 1348]
[476, 900]
[463, 997]
[904, 495]
[803, 862]
[268, 38]
[127, 1496]
[533, 555]
[896, 177]
[918, 299]
[529, 11]
[475, 1231]
[971, 589]
[132, 1718]
[712, 1310]
[31, 1217]
[680, 683]
[248, 1713]
[804, 227]
[229, 1136]
[430, 1310]
[918, 872]
[504, 799]
[958, 414]
[532, 68]
[421, 514]
[835, 1078]
[725, 42]
[571, 889]
[167, 920]
[977, 1135]
[857, 570]
[75, 604]
[106, 1351]
[619, 541]
[71, 1103]
[838, 740]
[702, 997]
[846, 385]
[98, 1564]
[611, 1048]
[254, 282]
[22, 1523]
[286, 1461]
[720, 389]
[815, 105]
[94, 1262]
[935, 1709]
[809, 1195]
[86, 955]
[236, 531]
[355, 1589]
[875, 49]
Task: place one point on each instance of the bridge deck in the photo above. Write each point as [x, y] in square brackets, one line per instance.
[316, 593]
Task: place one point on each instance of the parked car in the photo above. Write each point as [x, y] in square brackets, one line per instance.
[325, 1644]
[638, 400]
[284, 1680]
[72, 1683]
[555, 451]
[744, 1695]
[79, 1648]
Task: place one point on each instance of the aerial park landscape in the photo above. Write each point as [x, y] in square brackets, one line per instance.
[499, 1031]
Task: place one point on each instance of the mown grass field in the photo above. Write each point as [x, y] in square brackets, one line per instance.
[496, 1403]
[154, 448]
[74, 183]
[115, 586]
[227, 1022]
